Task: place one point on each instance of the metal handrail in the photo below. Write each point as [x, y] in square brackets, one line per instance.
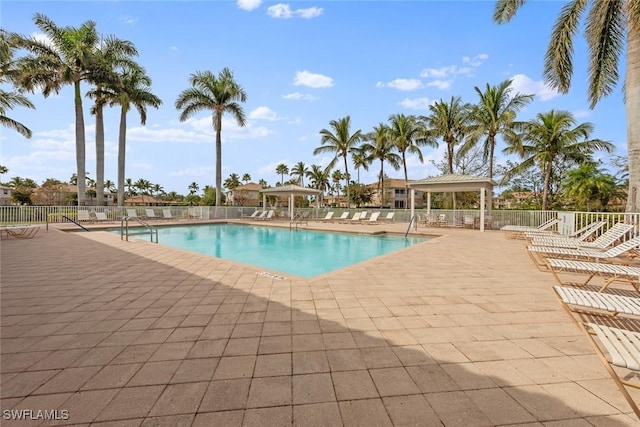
[409, 227]
[124, 228]
[70, 220]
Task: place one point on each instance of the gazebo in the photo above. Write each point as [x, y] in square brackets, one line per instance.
[291, 191]
[452, 184]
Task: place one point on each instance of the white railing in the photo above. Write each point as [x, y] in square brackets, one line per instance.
[495, 219]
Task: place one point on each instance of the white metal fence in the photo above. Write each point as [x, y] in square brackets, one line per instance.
[495, 219]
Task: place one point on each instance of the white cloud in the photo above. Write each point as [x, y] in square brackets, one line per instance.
[263, 113]
[402, 84]
[200, 171]
[440, 84]
[283, 11]
[476, 61]
[128, 19]
[248, 5]
[526, 86]
[439, 73]
[312, 80]
[416, 103]
[42, 38]
[173, 48]
[579, 114]
[299, 96]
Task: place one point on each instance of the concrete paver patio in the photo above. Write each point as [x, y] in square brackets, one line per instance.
[461, 330]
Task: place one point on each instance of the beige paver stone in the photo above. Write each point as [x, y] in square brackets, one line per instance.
[84, 406]
[112, 376]
[499, 407]
[411, 410]
[380, 357]
[179, 399]
[393, 381]
[313, 388]
[68, 380]
[309, 362]
[226, 418]
[280, 416]
[269, 365]
[59, 359]
[317, 415]
[98, 356]
[235, 367]
[270, 391]
[22, 384]
[207, 348]
[136, 354]
[155, 373]
[169, 421]
[455, 408]
[370, 412]
[275, 344]
[242, 346]
[225, 395]
[131, 402]
[353, 385]
[194, 370]
[172, 351]
[246, 330]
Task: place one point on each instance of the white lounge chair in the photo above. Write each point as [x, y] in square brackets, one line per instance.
[539, 253]
[582, 234]
[389, 217]
[327, 217]
[343, 217]
[268, 215]
[363, 215]
[131, 213]
[253, 215]
[602, 302]
[608, 272]
[19, 231]
[619, 348]
[373, 219]
[354, 218]
[166, 214]
[150, 214]
[518, 231]
[468, 221]
[607, 239]
[102, 216]
[84, 216]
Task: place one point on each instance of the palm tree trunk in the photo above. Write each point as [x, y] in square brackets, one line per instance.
[406, 182]
[381, 183]
[99, 156]
[346, 179]
[492, 146]
[632, 93]
[218, 118]
[80, 146]
[547, 181]
[122, 145]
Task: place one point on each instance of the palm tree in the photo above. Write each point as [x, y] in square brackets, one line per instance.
[588, 183]
[381, 147]
[131, 90]
[232, 182]
[66, 59]
[336, 177]
[131, 190]
[448, 121]
[360, 160]
[111, 53]
[3, 171]
[339, 141]
[157, 190]
[319, 178]
[608, 24]
[219, 94]
[8, 73]
[246, 178]
[263, 183]
[550, 137]
[299, 170]
[193, 188]
[282, 170]
[144, 186]
[408, 134]
[494, 115]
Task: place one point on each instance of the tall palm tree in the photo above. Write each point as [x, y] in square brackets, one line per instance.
[282, 170]
[246, 178]
[3, 170]
[110, 54]
[232, 182]
[319, 178]
[66, 59]
[609, 24]
[193, 188]
[381, 147]
[131, 190]
[448, 121]
[408, 135]
[494, 115]
[143, 185]
[339, 140]
[550, 137]
[132, 90]
[299, 170]
[263, 183]
[588, 183]
[219, 94]
[360, 160]
[336, 177]
[9, 74]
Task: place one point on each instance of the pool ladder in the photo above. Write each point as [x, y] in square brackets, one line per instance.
[124, 228]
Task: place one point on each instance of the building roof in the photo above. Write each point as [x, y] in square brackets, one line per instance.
[291, 189]
[452, 182]
[252, 186]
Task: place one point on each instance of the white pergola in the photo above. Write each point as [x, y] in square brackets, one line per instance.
[291, 191]
[452, 184]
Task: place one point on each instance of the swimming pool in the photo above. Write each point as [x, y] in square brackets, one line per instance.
[303, 253]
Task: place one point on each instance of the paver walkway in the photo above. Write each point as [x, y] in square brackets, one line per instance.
[461, 330]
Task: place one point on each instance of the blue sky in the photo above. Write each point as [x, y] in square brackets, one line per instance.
[302, 65]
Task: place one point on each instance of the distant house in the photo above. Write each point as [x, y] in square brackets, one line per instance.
[145, 200]
[245, 195]
[394, 194]
[516, 200]
[5, 195]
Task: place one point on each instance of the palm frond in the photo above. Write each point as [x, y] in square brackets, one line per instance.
[506, 9]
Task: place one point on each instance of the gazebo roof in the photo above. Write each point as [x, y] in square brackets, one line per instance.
[452, 182]
[291, 189]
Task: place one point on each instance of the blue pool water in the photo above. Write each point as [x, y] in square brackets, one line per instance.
[303, 253]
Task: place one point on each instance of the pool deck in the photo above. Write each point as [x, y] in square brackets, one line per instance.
[461, 330]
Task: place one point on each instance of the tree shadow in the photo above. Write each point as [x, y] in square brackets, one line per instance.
[111, 335]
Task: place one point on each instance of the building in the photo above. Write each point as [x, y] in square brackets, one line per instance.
[245, 195]
[395, 194]
[5, 195]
